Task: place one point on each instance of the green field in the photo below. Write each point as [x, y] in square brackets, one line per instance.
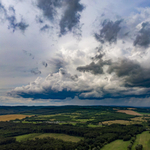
[143, 139]
[116, 145]
[63, 137]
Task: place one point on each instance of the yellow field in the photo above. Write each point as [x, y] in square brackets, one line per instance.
[129, 112]
[118, 121]
[13, 117]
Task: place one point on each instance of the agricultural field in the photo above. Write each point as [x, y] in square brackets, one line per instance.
[85, 127]
[117, 145]
[130, 112]
[143, 139]
[95, 118]
[13, 117]
[63, 137]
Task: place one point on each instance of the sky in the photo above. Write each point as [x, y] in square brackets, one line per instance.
[75, 52]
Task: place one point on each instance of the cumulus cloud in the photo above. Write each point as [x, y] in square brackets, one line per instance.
[133, 74]
[117, 68]
[95, 68]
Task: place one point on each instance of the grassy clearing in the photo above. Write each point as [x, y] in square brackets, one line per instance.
[117, 145]
[143, 139]
[13, 117]
[26, 137]
[63, 137]
[94, 126]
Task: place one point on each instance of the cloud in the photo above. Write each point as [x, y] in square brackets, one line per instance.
[49, 8]
[48, 89]
[14, 25]
[95, 68]
[35, 71]
[143, 37]
[70, 10]
[109, 31]
[44, 64]
[22, 26]
[71, 16]
[3, 12]
[45, 28]
[134, 75]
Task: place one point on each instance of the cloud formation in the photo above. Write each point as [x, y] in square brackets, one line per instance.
[109, 31]
[133, 74]
[71, 17]
[13, 24]
[95, 68]
[143, 37]
[49, 8]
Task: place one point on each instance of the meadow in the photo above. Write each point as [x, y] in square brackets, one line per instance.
[143, 139]
[63, 137]
[117, 145]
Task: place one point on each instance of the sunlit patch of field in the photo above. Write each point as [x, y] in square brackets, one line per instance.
[130, 112]
[119, 122]
[117, 145]
[63, 137]
[13, 117]
[143, 139]
[140, 119]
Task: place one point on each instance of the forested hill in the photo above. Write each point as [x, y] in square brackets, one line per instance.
[61, 109]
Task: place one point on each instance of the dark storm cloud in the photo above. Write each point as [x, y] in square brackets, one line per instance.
[95, 68]
[49, 7]
[35, 71]
[133, 74]
[109, 31]
[71, 16]
[143, 37]
[48, 94]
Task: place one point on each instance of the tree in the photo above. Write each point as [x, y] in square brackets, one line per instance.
[139, 147]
